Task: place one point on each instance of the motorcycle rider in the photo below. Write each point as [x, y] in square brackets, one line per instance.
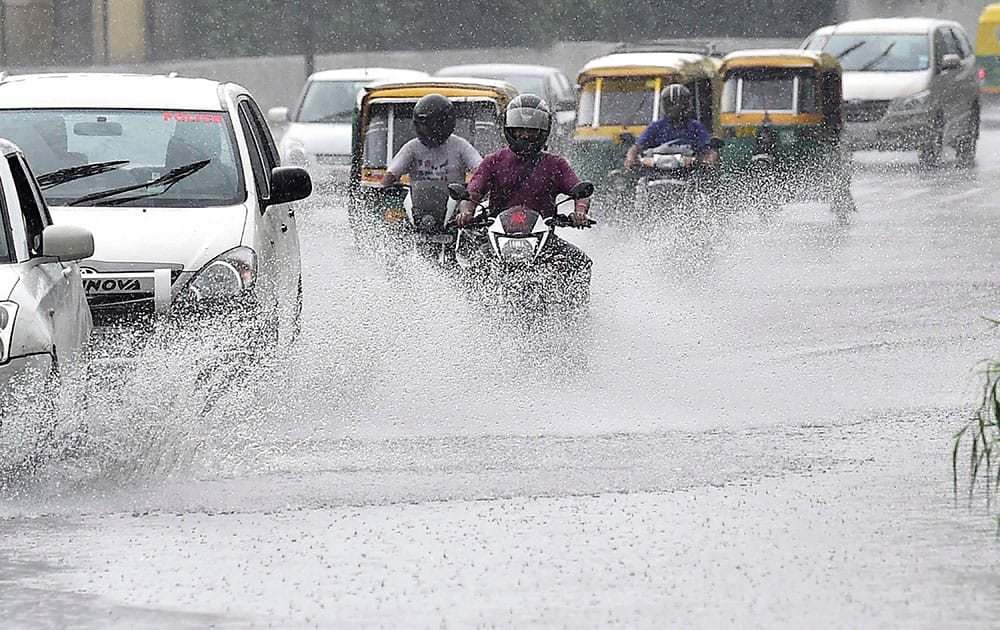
[677, 126]
[436, 154]
[523, 174]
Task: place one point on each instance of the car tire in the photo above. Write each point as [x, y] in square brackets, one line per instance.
[930, 152]
[965, 147]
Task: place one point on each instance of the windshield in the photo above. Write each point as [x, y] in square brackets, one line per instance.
[142, 147]
[877, 53]
[476, 121]
[772, 90]
[526, 84]
[622, 102]
[329, 101]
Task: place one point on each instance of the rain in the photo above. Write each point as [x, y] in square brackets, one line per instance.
[753, 424]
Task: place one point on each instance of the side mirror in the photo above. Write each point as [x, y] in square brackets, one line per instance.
[67, 242]
[716, 143]
[581, 190]
[458, 192]
[626, 138]
[289, 183]
[278, 115]
[950, 62]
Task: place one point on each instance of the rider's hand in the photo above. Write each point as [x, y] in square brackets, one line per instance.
[579, 218]
[464, 217]
[690, 161]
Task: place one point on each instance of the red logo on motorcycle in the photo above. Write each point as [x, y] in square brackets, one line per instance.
[517, 221]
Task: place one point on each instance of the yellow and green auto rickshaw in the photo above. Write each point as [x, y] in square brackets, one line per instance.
[383, 124]
[988, 49]
[619, 95]
[780, 117]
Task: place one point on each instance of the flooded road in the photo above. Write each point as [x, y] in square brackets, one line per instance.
[752, 433]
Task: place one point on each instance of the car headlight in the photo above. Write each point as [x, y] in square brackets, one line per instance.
[912, 102]
[8, 312]
[296, 154]
[517, 250]
[226, 276]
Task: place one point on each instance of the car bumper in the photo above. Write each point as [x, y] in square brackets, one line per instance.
[241, 321]
[31, 369]
[892, 132]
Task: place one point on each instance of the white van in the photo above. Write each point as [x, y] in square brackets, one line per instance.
[909, 84]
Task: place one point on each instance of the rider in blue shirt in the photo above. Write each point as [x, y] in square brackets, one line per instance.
[675, 126]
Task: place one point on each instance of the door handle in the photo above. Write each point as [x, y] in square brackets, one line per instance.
[284, 228]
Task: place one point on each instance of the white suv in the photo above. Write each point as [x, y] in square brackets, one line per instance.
[909, 84]
[180, 182]
[44, 320]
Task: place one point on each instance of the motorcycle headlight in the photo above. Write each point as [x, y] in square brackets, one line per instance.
[8, 312]
[518, 250]
[228, 275]
[912, 102]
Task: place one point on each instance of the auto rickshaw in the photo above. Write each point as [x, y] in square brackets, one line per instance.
[382, 124]
[781, 120]
[988, 49]
[619, 95]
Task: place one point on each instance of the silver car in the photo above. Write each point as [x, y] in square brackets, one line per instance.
[44, 320]
[909, 84]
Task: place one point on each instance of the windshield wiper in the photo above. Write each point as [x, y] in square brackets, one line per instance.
[880, 57]
[851, 49]
[167, 180]
[63, 175]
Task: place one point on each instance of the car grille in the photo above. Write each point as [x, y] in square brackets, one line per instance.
[864, 111]
[122, 298]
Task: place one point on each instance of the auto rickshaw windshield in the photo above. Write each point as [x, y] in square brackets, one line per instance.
[769, 89]
[625, 102]
[390, 126]
[877, 53]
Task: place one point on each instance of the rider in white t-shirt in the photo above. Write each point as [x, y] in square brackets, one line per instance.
[436, 154]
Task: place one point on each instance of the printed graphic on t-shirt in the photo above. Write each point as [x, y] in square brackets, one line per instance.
[431, 169]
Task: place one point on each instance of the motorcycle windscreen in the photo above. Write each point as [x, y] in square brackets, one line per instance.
[520, 221]
[430, 204]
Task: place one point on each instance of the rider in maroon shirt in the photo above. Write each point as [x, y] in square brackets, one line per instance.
[522, 174]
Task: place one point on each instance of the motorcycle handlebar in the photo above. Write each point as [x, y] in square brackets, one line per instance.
[559, 220]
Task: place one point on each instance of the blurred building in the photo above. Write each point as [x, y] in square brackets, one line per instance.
[87, 32]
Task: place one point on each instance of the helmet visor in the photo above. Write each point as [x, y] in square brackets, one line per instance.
[528, 117]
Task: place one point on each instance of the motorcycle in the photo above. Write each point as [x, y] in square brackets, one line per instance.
[671, 181]
[516, 263]
[429, 213]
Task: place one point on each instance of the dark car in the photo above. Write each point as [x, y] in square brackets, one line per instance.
[545, 81]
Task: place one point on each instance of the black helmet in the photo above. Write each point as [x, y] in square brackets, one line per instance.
[527, 111]
[674, 94]
[438, 114]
